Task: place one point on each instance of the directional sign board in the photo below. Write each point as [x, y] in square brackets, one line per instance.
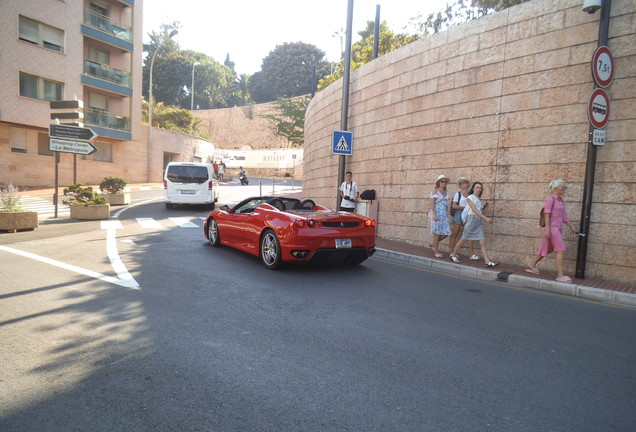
[598, 108]
[68, 146]
[342, 143]
[72, 132]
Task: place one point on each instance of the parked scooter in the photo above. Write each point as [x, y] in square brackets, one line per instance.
[243, 177]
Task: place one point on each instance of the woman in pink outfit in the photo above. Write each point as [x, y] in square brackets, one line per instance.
[552, 240]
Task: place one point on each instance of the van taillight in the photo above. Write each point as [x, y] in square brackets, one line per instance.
[210, 185]
[165, 184]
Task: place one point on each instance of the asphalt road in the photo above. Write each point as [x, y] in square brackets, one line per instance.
[209, 340]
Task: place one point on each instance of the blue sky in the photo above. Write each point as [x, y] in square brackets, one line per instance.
[249, 29]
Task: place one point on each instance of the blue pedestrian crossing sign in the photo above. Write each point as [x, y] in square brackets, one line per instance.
[342, 143]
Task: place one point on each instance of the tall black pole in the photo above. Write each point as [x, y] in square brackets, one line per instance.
[376, 32]
[345, 95]
[590, 166]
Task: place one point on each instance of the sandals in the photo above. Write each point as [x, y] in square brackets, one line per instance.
[564, 279]
[534, 271]
[455, 259]
[475, 257]
[491, 264]
[436, 252]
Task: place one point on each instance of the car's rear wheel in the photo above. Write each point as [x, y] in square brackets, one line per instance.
[213, 233]
[270, 250]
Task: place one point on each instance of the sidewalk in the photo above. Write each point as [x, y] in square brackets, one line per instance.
[593, 289]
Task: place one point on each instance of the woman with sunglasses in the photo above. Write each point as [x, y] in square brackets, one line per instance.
[552, 240]
[439, 215]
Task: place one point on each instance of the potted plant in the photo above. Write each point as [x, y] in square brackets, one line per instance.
[12, 217]
[85, 204]
[114, 187]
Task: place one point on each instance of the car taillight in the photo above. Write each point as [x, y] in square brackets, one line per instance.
[369, 222]
[210, 185]
[165, 184]
[302, 223]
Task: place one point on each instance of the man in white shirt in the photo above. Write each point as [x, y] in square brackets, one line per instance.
[349, 193]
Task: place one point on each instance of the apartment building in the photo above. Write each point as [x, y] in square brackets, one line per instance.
[60, 50]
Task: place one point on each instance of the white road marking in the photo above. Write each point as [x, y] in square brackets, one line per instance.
[124, 283]
[149, 223]
[111, 224]
[115, 261]
[183, 222]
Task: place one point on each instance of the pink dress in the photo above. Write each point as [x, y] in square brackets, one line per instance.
[558, 216]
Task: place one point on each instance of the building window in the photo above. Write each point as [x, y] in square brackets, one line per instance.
[18, 140]
[41, 34]
[43, 145]
[36, 87]
[104, 152]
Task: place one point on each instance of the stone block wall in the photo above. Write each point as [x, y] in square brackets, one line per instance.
[501, 100]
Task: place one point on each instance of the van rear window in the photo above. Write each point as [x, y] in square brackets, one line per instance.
[187, 174]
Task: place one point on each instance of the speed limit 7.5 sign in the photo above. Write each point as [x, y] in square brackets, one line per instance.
[603, 66]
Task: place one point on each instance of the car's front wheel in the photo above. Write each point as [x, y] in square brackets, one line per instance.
[270, 250]
[213, 233]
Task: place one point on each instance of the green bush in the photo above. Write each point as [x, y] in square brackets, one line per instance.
[81, 195]
[9, 199]
[113, 185]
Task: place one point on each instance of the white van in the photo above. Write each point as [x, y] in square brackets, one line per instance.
[190, 183]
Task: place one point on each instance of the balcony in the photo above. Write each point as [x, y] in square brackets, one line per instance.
[107, 73]
[105, 119]
[107, 25]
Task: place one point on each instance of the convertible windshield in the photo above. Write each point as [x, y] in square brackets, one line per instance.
[187, 174]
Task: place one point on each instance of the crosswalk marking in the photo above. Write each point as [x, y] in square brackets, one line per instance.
[149, 223]
[44, 207]
[183, 222]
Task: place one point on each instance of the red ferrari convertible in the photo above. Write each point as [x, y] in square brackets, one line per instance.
[287, 230]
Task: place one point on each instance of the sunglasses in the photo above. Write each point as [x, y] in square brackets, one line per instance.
[564, 188]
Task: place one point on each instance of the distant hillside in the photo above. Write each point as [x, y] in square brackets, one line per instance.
[240, 128]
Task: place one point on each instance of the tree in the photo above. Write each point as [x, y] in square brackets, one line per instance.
[460, 12]
[287, 119]
[362, 52]
[242, 83]
[287, 71]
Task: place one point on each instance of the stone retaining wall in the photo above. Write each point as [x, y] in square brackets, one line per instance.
[501, 100]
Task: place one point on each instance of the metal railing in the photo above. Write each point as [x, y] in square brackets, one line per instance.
[107, 25]
[107, 72]
[103, 118]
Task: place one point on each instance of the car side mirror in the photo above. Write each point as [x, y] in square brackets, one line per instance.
[225, 208]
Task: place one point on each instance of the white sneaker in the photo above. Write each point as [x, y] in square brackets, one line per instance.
[475, 258]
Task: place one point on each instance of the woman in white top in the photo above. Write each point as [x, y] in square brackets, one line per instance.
[474, 224]
[457, 206]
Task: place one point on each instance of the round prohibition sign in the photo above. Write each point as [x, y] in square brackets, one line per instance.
[598, 108]
[603, 66]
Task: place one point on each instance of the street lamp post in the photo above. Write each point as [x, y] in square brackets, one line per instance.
[150, 99]
[192, 88]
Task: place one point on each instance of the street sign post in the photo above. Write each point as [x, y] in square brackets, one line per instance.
[68, 146]
[72, 132]
[342, 143]
[603, 66]
[598, 108]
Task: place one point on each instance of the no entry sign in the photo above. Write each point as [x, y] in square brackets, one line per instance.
[598, 108]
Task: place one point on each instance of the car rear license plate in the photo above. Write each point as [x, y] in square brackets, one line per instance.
[343, 243]
[187, 192]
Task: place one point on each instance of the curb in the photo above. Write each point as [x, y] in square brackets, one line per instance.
[588, 293]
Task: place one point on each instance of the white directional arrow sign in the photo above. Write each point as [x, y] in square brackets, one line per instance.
[67, 146]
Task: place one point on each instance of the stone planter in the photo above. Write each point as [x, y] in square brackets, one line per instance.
[90, 212]
[121, 198]
[14, 221]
